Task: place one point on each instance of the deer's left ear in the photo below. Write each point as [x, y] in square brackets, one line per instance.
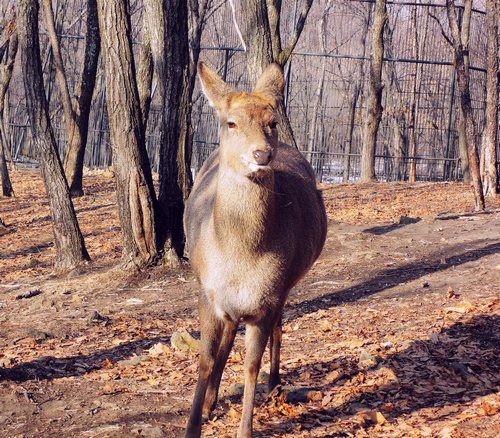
[271, 83]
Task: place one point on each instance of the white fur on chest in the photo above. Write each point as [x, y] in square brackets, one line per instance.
[236, 289]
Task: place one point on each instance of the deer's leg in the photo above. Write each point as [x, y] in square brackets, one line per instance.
[228, 334]
[274, 349]
[255, 343]
[211, 328]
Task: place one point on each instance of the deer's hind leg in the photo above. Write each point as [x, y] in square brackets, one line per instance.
[274, 350]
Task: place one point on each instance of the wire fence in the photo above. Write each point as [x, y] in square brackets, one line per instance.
[326, 92]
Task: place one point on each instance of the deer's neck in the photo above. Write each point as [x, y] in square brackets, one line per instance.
[244, 209]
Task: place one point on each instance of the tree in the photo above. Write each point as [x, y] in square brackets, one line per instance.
[76, 111]
[488, 151]
[463, 80]
[264, 46]
[134, 182]
[7, 51]
[375, 100]
[68, 238]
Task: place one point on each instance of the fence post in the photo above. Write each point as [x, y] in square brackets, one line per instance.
[288, 70]
[226, 62]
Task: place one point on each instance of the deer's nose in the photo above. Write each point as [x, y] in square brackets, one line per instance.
[263, 157]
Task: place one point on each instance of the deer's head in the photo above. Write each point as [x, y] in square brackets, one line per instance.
[248, 134]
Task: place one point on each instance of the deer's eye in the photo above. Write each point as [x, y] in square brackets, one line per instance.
[273, 124]
[231, 125]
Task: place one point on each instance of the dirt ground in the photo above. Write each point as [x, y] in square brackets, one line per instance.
[394, 332]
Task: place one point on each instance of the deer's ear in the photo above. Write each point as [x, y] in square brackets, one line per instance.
[271, 83]
[214, 88]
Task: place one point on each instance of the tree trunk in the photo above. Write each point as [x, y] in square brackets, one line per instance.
[134, 182]
[375, 100]
[465, 103]
[465, 20]
[176, 138]
[69, 242]
[412, 138]
[357, 95]
[5, 76]
[145, 71]
[73, 163]
[488, 150]
[262, 37]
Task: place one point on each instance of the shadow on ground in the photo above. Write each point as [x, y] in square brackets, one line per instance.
[458, 364]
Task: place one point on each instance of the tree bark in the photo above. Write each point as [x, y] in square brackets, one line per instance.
[73, 163]
[176, 137]
[462, 135]
[134, 182]
[465, 102]
[262, 37]
[69, 241]
[489, 150]
[5, 76]
[145, 71]
[375, 100]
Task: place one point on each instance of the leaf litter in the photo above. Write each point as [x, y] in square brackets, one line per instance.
[395, 332]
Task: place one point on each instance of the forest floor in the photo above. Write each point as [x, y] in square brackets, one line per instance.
[394, 333]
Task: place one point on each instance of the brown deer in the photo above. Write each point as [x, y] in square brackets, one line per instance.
[255, 223]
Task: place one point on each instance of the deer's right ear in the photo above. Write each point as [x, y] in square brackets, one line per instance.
[214, 88]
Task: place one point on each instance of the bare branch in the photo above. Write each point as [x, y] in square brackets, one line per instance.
[443, 32]
[299, 26]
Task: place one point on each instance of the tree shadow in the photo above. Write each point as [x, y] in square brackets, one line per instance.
[50, 367]
[383, 229]
[393, 277]
[34, 249]
[457, 365]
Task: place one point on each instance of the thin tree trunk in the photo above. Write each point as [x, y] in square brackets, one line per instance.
[134, 182]
[465, 103]
[462, 135]
[5, 76]
[73, 163]
[69, 241]
[357, 95]
[488, 150]
[412, 138]
[375, 100]
[318, 96]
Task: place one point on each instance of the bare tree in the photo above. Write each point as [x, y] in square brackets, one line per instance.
[375, 100]
[358, 92]
[264, 46]
[6, 67]
[463, 80]
[134, 182]
[69, 241]
[168, 24]
[76, 111]
[488, 150]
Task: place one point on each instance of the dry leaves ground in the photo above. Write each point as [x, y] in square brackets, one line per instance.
[394, 333]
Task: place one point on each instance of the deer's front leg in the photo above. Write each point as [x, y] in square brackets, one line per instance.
[211, 328]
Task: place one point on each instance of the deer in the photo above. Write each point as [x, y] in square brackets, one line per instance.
[255, 223]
